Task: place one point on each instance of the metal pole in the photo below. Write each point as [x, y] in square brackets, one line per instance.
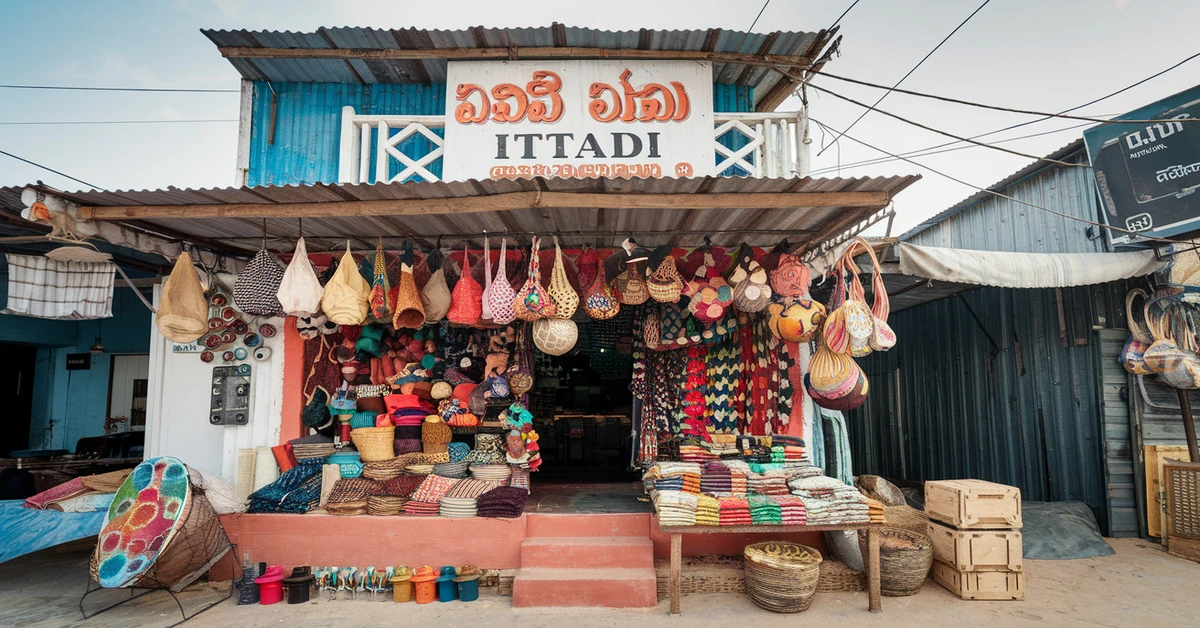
[1189, 424]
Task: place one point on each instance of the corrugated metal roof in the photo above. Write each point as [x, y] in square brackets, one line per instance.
[599, 226]
[780, 43]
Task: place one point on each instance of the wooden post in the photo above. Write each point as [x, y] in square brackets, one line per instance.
[676, 569]
[1189, 423]
[873, 595]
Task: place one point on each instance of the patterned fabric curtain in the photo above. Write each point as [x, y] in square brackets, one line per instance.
[40, 287]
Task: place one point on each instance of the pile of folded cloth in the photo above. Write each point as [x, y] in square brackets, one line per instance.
[723, 446]
[734, 511]
[791, 510]
[407, 411]
[349, 496]
[771, 483]
[504, 501]
[82, 494]
[425, 500]
[675, 508]
[708, 511]
[462, 500]
[716, 479]
[673, 476]
[875, 511]
[392, 495]
[830, 501]
[695, 451]
[787, 449]
[764, 510]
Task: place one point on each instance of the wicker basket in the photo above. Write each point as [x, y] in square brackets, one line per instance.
[902, 571]
[374, 444]
[782, 577]
[836, 576]
[906, 517]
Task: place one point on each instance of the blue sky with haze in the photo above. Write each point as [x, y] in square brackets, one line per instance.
[1022, 53]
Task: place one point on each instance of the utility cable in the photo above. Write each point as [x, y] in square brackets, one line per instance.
[839, 20]
[1005, 196]
[124, 89]
[760, 12]
[48, 168]
[77, 122]
[909, 73]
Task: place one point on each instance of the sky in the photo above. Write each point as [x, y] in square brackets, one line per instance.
[1029, 54]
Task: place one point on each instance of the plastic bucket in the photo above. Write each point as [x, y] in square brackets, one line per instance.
[426, 592]
[447, 591]
[468, 590]
[270, 592]
[402, 591]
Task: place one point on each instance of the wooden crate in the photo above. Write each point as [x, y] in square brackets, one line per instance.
[973, 504]
[1181, 482]
[1156, 501]
[980, 585]
[976, 550]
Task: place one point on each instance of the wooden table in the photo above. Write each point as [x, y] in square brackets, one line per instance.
[870, 561]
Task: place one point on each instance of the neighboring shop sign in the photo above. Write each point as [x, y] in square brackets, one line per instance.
[79, 361]
[1147, 174]
[578, 119]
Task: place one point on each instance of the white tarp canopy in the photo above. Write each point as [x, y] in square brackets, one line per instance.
[1024, 270]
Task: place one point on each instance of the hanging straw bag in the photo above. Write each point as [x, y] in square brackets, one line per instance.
[665, 284]
[485, 314]
[300, 291]
[565, 299]
[381, 310]
[532, 302]
[182, 309]
[599, 303]
[555, 336]
[256, 286]
[435, 296]
[345, 299]
[500, 295]
[882, 337]
[467, 299]
[631, 287]
[753, 294]
[410, 311]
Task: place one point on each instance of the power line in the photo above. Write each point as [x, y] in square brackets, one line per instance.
[124, 89]
[909, 73]
[47, 168]
[922, 151]
[838, 21]
[925, 152]
[112, 121]
[760, 12]
[1002, 195]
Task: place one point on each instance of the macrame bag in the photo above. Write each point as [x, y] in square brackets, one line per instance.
[466, 301]
[665, 284]
[182, 308]
[532, 302]
[565, 299]
[256, 286]
[300, 291]
[599, 303]
[500, 296]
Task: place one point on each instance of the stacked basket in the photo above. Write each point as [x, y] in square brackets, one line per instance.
[904, 560]
[782, 577]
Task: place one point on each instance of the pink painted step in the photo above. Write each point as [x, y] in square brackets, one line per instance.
[605, 525]
[607, 588]
[588, 552]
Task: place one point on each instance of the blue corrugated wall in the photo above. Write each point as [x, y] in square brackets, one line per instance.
[308, 124]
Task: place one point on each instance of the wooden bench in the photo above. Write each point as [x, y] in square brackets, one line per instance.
[870, 561]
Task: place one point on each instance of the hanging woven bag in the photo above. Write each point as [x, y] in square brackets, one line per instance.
[665, 284]
[182, 310]
[467, 298]
[380, 310]
[532, 302]
[1163, 354]
[500, 296]
[790, 277]
[435, 296]
[587, 264]
[410, 311]
[300, 291]
[485, 315]
[753, 294]
[796, 319]
[555, 336]
[565, 299]
[345, 299]
[256, 286]
[632, 287]
[1133, 354]
[599, 302]
[882, 337]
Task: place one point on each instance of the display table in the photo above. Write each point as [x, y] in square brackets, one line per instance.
[870, 561]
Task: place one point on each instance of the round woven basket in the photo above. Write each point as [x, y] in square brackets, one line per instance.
[902, 571]
[782, 577]
[374, 444]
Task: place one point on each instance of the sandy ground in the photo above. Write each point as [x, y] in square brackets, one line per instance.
[1141, 585]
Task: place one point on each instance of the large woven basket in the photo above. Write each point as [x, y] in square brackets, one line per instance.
[374, 444]
[782, 577]
[902, 571]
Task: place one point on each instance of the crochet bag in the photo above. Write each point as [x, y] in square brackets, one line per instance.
[565, 299]
[380, 286]
[599, 303]
[345, 299]
[182, 310]
[665, 284]
[410, 311]
[466, 302]
[300, 291]
[532, 302]
[256, 286]
[555, 336]
[500, 296]
[435, 296]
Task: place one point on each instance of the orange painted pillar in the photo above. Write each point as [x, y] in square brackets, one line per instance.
[290, 425]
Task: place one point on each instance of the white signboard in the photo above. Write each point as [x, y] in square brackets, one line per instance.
[578, 119]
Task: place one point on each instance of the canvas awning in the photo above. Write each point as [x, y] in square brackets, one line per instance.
[1024, 270]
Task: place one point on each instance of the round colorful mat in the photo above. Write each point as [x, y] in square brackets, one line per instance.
[142, 520]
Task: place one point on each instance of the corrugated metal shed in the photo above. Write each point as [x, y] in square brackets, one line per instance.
[433, 70]
[600, 226]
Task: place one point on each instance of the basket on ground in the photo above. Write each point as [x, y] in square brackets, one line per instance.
[782, 577]
[904, 560]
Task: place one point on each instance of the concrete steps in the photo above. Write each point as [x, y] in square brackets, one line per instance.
[564, 552]
[536, 587]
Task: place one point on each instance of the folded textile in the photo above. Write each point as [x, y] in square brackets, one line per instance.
[434, 488]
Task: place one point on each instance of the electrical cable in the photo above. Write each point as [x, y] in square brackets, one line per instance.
[909, 73]
[124, 89]
[760, 12]
[77, 122]
[1005, 196]
[61, 174]
[839, 20]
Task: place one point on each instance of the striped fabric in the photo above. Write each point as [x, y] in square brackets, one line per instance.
[472, 489]
[40, 287]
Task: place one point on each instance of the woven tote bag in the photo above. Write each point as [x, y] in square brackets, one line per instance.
[380, 310]
[665, 284]
[565, 299]
[485, 311]
[500, 296]
[256, 286]
[300, 291]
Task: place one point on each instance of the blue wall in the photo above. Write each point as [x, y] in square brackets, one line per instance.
[308, 124]
[76, 401]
